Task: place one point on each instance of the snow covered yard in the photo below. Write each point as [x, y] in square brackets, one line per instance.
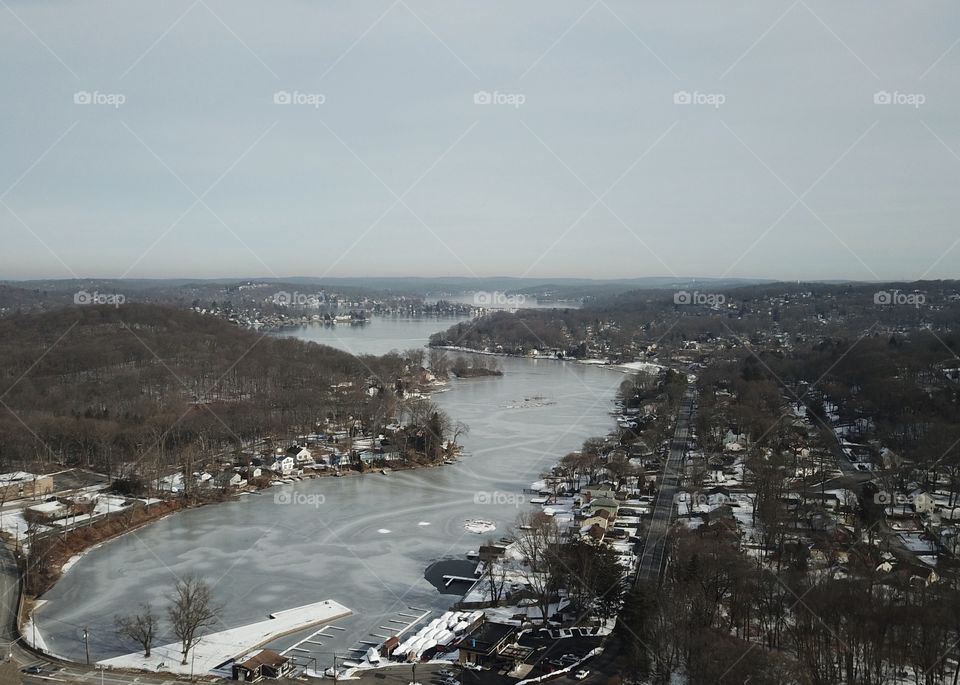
[216, 648]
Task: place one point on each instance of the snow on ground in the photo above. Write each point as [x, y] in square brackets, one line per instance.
[509, 612]
[917, 543]
[216, 648]
[647, 367]
[12, 522]
[104, 506]
[68, 564]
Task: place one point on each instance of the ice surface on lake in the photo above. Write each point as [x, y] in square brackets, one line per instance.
[262, 556]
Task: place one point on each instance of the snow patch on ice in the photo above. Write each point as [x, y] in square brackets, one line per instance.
[479, 526]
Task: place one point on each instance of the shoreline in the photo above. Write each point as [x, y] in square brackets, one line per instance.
[437, 387]
[626, 367]
[456, 453]
[32, 634]
[237, 497]
[286, 325]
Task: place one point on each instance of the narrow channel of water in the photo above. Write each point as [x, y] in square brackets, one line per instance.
[369, 541]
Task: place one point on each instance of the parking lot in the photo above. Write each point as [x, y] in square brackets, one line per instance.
[552, 654]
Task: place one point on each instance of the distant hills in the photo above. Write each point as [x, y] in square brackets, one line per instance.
[407, 284]
[173, 290]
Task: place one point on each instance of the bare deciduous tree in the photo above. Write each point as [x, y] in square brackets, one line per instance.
[140, 627]
[191, 611]
[538, 539]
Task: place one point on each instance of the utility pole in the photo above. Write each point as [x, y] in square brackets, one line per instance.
[86, 644]
[193, 659]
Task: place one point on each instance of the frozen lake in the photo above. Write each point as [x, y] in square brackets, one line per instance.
[364, 541]
[381, 335]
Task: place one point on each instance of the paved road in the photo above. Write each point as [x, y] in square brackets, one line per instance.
[654, 548]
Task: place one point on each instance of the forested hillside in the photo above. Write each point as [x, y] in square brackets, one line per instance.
[99, 386]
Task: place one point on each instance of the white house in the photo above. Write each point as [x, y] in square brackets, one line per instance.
[282, 465]
[301, 455]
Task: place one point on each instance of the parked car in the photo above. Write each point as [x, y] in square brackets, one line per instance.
[580, 675]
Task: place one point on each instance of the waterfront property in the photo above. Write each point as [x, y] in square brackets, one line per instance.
[265, 663]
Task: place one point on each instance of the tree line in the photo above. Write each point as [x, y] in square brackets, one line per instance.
[105, 387]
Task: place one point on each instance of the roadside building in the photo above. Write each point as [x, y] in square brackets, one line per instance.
[263, 664]
[390, 645]
[486, 644]
[19, 484]
[600, 522]
[597, 492]
[607, 503]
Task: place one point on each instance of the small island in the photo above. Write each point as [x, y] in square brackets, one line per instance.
[466, 367]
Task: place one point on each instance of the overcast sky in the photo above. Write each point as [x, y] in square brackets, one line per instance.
[776, 139]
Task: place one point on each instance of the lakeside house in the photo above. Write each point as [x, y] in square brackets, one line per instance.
[301, 455]
[605, 504]
[282, 465]
[230, 480]
[373, 456]
[589, 494]
[251, 472]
